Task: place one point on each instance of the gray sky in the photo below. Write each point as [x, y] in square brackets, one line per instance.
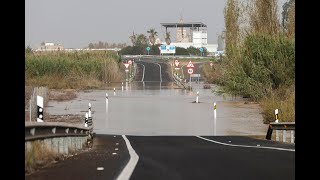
[76, 23]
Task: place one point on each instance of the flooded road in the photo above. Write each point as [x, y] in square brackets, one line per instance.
[162, 108]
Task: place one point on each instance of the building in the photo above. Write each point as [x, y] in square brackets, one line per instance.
[49, 46]
[191, 34]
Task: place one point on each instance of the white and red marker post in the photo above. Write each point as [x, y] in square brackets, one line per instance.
[190, 67]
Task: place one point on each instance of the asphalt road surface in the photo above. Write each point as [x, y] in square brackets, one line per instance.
[185, 157]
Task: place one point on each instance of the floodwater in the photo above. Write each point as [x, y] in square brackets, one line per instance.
[162, 108]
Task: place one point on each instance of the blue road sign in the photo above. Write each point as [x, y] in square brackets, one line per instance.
[163, 47]
[201, 49]
[148, 48]
[172, 47]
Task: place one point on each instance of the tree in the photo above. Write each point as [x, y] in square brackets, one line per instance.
[141, 40]
[28, 49]
[133, 39]
[168, 40]
[287, 8]
[152, 37]
[91, 46]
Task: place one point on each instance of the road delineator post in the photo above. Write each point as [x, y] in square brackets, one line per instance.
[276, 121]
[214, 119]
[197, 100]
[122, 86]
[114, 91]
[39, 109]
[86, 120]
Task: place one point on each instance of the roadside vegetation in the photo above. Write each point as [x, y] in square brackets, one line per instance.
[260, 56]
[72, 70]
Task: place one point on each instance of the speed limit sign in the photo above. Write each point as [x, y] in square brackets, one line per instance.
[190, 71]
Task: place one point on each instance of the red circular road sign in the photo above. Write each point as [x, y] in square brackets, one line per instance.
[190, 71]
[130, 62]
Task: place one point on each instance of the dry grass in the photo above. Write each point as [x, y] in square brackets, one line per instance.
[38, 157]
[65, 95]
[284, 100]
[212, 74]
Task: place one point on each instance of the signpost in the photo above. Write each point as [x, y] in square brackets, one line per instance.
[176, 62]
[201, 50]
[148, 49]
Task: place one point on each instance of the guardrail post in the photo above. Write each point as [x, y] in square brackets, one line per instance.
[276, 117]
[60, 144]
[284, 135]
[47, 143]
[292, 137]
[55, 145]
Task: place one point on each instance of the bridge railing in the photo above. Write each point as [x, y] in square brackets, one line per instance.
[284, 127]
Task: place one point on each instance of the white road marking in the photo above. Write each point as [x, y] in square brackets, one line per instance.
[127, 171]
[263, 147]
[100, 168]
[114, 153]
[144, 68]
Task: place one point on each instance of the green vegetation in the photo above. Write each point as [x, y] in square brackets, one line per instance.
[74, 70]
[260, 56]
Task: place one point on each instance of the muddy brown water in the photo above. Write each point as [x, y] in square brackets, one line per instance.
[162, 108]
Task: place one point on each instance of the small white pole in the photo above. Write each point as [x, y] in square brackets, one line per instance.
[114, 91]
[89, 107]
[197, 100]
[107, 102]
[215, 118]
[276, 117]
[190, 82]
[122, 86]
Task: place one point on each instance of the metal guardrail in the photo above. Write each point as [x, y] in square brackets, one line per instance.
[36, 130]
[280, 126]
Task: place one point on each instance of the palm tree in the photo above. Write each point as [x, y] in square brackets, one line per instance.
[133, 39]
[168, 40]
[153, 33]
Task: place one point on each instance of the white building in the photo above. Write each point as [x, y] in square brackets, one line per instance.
[197, 36]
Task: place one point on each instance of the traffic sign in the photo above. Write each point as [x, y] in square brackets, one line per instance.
[126, 65]
[148, 48]
[211, 64]
[190, 71]
[130, 62]
[190, 65]
[176, 62]
[201, 49]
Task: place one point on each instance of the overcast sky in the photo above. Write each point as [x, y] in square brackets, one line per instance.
[76, 23]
